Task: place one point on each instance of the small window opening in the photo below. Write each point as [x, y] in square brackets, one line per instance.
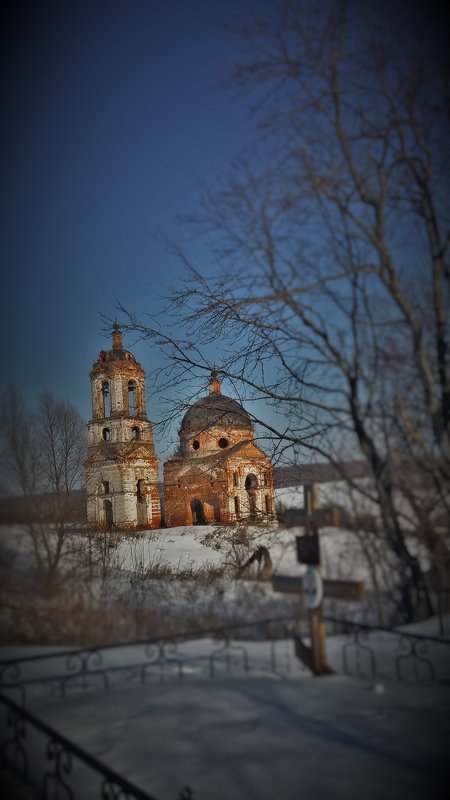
[237, 509]
[135, 432]
[223, 442]
[106, 434]
[266, 479]
[267, 503]
[105, 486]
[106, 399]
[131, 398]
[235, 479]
[140, 489]
[195, 444]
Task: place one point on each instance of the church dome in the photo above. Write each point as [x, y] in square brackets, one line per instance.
[212, 410]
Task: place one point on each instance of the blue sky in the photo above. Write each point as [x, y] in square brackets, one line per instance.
[112, 110]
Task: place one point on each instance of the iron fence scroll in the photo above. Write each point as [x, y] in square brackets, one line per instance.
[60, 754]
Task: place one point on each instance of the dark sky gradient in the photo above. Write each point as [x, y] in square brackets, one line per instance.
[111, 110]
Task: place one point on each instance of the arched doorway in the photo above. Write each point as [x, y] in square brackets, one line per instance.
[251, 482]
[141, 503]
[197, 511]
[108, 509]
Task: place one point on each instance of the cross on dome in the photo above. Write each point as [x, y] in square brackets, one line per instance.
[214, 383]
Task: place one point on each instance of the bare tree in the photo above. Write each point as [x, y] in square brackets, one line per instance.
[331, 242]
[44, 454]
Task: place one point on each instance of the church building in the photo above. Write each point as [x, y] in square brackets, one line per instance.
[121, 466]
[219, 474]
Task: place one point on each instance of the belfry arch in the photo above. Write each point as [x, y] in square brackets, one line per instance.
[106, 399]
[132, 397]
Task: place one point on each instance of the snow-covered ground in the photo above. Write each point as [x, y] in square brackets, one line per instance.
[264, 739]
[253, 726]
[240, 734]
[344, 554]
[185, 548]
[187, 572]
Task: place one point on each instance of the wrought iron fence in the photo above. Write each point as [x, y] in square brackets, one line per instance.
[356, 649]
[368, 651]
[224, 652]
[59, 755]
[159, 659]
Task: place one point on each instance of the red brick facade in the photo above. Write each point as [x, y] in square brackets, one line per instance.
[219, 473]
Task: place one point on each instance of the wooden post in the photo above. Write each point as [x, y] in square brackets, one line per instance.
[316, 624]
[315, 656]
[318, 642]
[310, 504]
[308, 552]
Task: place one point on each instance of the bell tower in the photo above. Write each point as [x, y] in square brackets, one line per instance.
[121, 467]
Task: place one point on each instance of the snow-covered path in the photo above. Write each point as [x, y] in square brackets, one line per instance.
[262, 739]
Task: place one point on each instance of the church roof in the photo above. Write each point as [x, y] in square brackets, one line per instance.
[117, 353]
[215, 409]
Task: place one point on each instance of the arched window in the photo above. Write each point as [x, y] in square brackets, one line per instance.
[140, 489]
[106, 399]
[132, 398]
[105, 487]
[135, 432]
[106, 434]
[251, 482]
